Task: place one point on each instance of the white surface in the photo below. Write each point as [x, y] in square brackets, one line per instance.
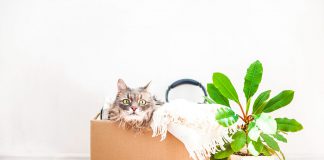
[59, 59]
[236, 157]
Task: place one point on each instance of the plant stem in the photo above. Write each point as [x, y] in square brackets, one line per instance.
[247, 106]
[277, 155]
[242, 118]
[282, 155]
[242, 112]
[246, 143]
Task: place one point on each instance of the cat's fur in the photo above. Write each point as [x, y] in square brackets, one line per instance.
[137, 113]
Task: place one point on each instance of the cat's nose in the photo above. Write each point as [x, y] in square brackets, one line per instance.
[134, 108]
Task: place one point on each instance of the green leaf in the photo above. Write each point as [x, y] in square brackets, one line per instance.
[247, 108]
[256, 147]
[215, 95]
[225, 116]
[224, 153]
[225, 86]
[279, 137]
[266, 124]
[280, 100]
[254, 133]
[252, 79]
[209, 101]
[282, 155]
[267, 151]
[239, 140]
[251, 125]
[260, 102]
[270, 142]
[252, 149]
[213, 158]
[288, 125]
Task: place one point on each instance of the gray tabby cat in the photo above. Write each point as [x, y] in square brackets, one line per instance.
[133, 108]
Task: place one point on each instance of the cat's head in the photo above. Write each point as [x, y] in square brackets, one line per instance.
[134, 104]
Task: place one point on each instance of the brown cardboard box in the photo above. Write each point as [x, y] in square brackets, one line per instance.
[110, 142]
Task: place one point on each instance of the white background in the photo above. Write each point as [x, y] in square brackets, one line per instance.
[60, 59]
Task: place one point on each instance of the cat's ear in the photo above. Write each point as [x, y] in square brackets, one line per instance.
[147, 86]
[121, 85]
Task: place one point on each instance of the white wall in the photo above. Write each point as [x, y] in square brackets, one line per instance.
[59, 59]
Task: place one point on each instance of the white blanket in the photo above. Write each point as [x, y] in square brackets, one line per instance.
[193, 124]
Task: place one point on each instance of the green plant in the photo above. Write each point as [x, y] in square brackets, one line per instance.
[258, 132]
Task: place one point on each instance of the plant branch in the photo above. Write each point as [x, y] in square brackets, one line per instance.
[242, 118]
[242, 112]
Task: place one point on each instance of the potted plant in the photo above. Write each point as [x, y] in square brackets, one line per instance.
[258, 134]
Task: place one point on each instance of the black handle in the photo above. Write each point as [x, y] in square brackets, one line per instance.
[184, 81]
[101, 113]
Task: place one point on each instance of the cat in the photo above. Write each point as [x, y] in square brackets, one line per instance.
[133, 108]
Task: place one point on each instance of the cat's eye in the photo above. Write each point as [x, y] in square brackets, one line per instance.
[141, 102]
[125, 101]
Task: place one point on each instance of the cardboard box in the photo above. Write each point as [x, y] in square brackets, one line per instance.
[110, 142]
